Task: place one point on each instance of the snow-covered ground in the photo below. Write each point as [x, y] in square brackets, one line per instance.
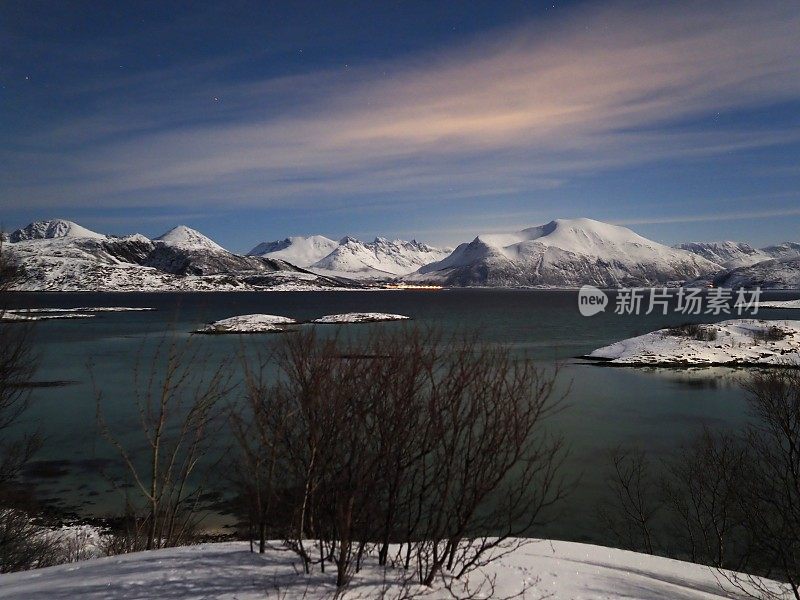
[559, 570]
[734, 342]
[359, 317]
[257, 323]
[780, 304]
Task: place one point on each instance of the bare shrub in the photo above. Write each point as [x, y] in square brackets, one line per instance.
[733, 498]
[695, 331]
[22, 545]
[634, 505]
[701, 492]
[19, 549]
[178, 406]
[773, 333]
[17, 366]
[769, 489]
[405, 438]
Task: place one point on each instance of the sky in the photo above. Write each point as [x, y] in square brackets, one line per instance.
[253, 121]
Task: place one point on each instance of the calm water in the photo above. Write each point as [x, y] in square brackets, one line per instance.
[657, 409]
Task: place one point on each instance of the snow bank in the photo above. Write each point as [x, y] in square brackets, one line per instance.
[734, 342]
[358, 317]
[248, 324]
[561, 570]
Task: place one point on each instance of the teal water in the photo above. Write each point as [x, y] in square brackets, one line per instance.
[657, 409]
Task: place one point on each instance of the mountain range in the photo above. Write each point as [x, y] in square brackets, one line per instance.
[377, 260]
[61, 255]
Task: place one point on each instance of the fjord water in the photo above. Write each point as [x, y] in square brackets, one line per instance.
[655, 409]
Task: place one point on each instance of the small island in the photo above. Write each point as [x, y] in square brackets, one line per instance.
[256, 323]
[358, 317]
[737, 342]
[788, 304]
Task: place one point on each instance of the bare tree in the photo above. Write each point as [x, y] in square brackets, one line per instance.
[769, 489]
[634, 504]
[434, 445]
[17, 367]
[20, 548]
[178, 399]
[702, 491]
[258, 465]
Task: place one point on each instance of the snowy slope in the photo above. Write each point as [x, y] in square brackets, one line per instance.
[566, 253]
[379, 259]
[728, 254]
[734, 342]
[48, 230]
[559, 570]
[298, 250]
[188, 238]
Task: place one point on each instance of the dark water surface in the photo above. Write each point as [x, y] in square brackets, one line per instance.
[657, 409]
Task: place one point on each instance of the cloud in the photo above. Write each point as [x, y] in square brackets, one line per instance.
[508, 112]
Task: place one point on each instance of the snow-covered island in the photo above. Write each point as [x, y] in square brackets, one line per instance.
[738, 342]
[789, 304]
[228, 570]
[82, 312]
[10, 316]
[256, 323]
[359, 317]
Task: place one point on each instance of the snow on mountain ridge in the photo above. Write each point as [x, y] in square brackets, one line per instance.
[727, 253]
[786, 250]
[188, 238]
[52, 229]
[566, 253]
[378, 259]
[298, 250]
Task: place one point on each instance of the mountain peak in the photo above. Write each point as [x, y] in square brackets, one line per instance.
[297, 250]
[188, 238]
[55, 228]
[567, 253]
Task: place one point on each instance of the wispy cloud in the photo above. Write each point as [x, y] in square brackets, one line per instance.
[511, 112]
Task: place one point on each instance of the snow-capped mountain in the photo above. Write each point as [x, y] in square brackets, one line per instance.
[181, 260]
[189, 239]
[298, 250]
[565, 253]
[773, 274]
[48, 230]
[785, 250]
[728, 254]
[773, 267]
[379, 259]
